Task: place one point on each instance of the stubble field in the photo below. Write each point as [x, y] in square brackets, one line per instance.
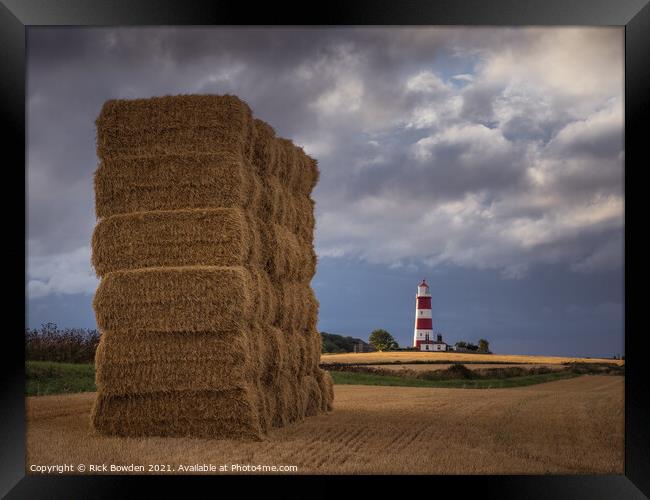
[568, 426]
[454, 357]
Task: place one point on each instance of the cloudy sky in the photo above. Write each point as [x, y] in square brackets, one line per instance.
[488, 160]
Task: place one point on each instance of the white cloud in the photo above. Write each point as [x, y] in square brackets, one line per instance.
[519, 166]
[426, 81]
[345, 97]
[475, 143]
[67, 273]
[464, 77]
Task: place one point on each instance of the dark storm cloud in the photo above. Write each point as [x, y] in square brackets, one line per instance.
[444, 145]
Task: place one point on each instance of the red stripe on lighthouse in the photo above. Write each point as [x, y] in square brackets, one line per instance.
[424, 324]
[424, 302]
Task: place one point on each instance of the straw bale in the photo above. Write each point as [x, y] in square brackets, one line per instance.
[192, 298]
[298, 307]
[174, 125]
[326, 385]
[172, 182]
[279, 157]
[230, 413]
[245, 412]
[264, 149]
[162, 362]
[208, 237]
[156, 362]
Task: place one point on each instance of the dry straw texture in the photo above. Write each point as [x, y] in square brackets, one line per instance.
[204, 247]
[200, 237]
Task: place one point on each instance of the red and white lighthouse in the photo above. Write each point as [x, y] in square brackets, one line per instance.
[423, 332]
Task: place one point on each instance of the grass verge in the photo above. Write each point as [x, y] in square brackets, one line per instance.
[342, 377]
[47, 377]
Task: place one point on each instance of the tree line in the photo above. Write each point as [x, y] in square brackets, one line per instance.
[78, 345]
[69, 345]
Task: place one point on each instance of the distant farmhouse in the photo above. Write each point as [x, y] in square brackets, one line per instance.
[361, 346]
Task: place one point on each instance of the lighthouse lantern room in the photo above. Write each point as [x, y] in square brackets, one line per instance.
[423, 331]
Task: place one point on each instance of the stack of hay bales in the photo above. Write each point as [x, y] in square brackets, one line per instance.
[204, 247]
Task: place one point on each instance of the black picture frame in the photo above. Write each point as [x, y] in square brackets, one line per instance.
[16, 15]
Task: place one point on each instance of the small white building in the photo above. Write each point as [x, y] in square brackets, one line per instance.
[433, 345]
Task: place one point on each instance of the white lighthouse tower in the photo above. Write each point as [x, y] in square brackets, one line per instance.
[423, 332]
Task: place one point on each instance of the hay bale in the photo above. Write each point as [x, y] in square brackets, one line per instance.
[205, 249]
[174, 125]
[230, 413]
[138, 362]
[200, 237]
[174, 181]
[204, 237]
[297, 307]
[169, 362]
[192, 298]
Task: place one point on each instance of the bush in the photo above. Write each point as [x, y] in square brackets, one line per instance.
[381, 340]
[70, 345]
[455, 371]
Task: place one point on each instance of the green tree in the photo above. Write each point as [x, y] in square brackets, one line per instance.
[483, 345]
[381, 340]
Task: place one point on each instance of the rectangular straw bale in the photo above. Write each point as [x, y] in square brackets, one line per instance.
[174, 124]
[314, 347]
[245, 412]
[204, 237]
[296, 169]
[292, 399]
[300, 218]
[297, 307]
[193, 298]
[281, 158]
[286, 257]
[130, 362]
[264, 149]
[176, 361]
[173, 182]
[326, 386]
[232, 413]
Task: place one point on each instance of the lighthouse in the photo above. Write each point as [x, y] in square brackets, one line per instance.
[423, 331]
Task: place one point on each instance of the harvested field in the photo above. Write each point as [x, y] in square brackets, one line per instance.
[424, 367]
[453, 357]
[572, 426]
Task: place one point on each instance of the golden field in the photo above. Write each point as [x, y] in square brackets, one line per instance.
[454, 357]
[426, 367]
[571, 426]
